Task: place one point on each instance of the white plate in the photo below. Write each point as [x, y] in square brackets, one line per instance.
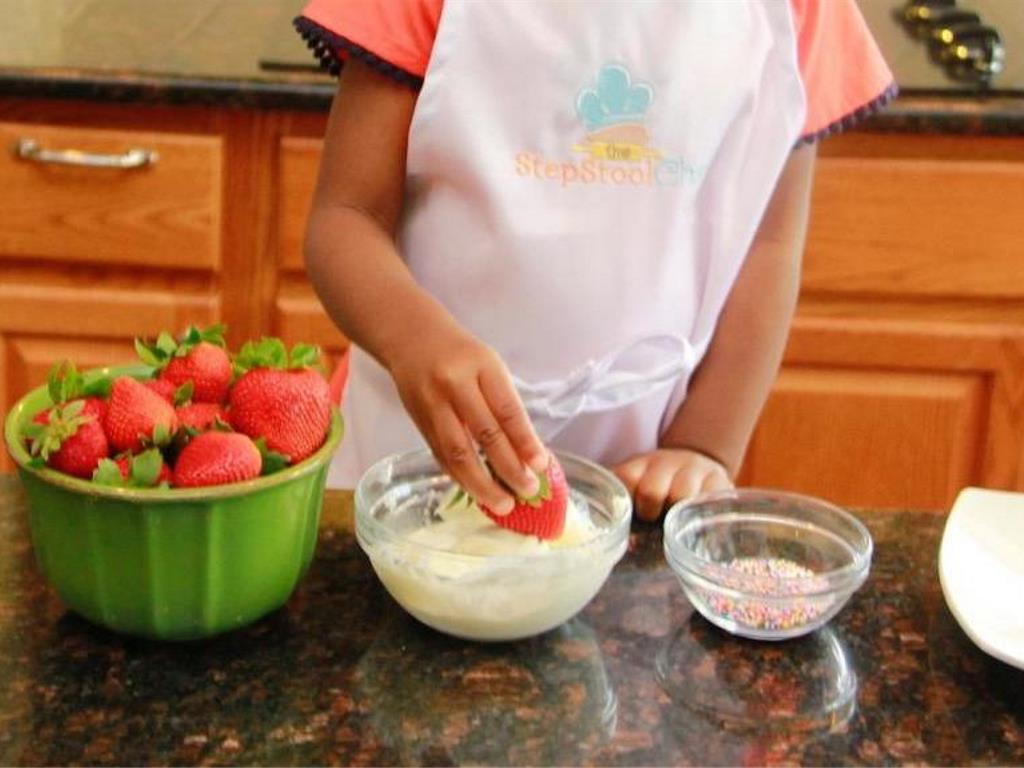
[981, 567]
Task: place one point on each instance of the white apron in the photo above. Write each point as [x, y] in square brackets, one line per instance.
[584, 181]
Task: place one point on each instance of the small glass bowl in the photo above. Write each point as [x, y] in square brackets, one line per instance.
[478, 597]
[766, 565]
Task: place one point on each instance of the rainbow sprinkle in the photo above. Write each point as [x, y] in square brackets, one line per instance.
[767, 576]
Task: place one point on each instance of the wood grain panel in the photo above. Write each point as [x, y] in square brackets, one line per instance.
[299, 316]
[98, 310]
[29, 359]
[871, 438]
[299, 160]
[907, 227]
[992, 350]
[26, 361]
[165, 215]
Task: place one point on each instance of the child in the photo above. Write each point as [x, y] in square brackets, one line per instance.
[572, 224]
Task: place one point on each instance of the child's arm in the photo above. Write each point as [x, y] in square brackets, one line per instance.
[456, 389]
[704, 445]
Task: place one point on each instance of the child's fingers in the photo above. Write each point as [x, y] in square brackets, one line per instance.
[630, 472]
[454, 449]
[653, 489]
[508, 411]
[716, 480]
[686, 484]
[471, 407]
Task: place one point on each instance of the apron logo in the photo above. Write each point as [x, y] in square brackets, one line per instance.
[613, 114]
[617, 147]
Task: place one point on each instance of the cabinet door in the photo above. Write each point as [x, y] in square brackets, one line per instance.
[871, 438]
[298, 314]
[893, 413]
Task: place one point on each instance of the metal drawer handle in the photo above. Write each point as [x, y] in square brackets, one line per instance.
[29, 149]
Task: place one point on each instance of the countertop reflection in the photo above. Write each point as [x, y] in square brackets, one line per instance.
[342, 676]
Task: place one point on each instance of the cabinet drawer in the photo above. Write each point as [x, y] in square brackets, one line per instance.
[166, 213]
[914, 227]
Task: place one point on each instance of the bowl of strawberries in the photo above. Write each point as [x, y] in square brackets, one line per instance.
[180, 497]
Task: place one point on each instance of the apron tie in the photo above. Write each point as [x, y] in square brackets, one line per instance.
[621, 377]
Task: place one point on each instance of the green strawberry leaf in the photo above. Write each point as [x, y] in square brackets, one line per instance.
[33, 431]
[63, 382]
[219, 425]
[458, 498]
[108, 473]
[161, 435]
[98, 387]
[72, 410]
[214, 334]
[268, 352]
[304, 356]
[272, 460]
[183, 393]
[191, 337]
[145, 468]
[36, 462]
[149, 354]
[165, 343]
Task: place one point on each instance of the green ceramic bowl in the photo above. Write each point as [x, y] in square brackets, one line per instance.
[171, 564]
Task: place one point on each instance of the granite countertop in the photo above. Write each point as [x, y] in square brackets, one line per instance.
[244, 53]
[298, 88]
[342, 676]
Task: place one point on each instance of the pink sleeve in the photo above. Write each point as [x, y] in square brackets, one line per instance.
[394, 36]
[844, 74]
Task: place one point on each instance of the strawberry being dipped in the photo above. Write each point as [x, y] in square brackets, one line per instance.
[542, 515]
[136, 415]
[217, 458]
[198, 358]
[281, 398]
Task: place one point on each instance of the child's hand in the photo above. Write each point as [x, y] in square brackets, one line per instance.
[665, 476]
[460, 395]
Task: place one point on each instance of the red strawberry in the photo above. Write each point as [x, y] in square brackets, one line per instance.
[289, 407]
[542, 515]
[69, 437]
[198, 359]
[162, 387]
[92, 406]
[217, 458]
[136, 414]
[201, 416]
[207, 366]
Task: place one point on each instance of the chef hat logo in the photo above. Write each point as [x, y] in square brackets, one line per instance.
[614, 100]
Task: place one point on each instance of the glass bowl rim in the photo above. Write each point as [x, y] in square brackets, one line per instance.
[682, 559]
[614, 536]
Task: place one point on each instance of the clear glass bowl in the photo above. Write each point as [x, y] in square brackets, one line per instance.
[767, 565]
[492, 597]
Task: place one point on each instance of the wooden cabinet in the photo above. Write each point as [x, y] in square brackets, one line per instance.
[162, 213]
[904, 375]
[903, 379]
[297, 312]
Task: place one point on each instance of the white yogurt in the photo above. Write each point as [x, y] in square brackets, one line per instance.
[467, 576]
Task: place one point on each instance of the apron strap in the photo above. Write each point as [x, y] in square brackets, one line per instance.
[621, 377]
